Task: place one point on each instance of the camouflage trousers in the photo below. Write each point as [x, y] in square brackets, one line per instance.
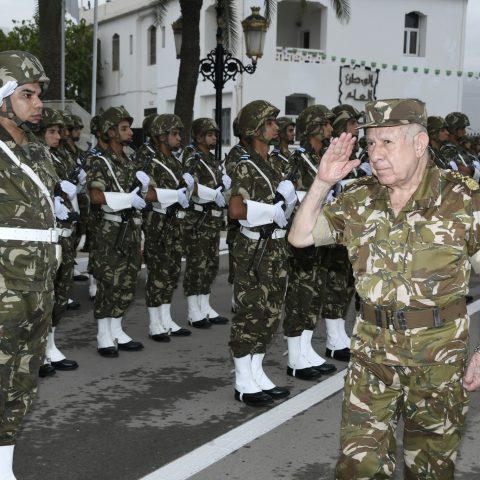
[93, 222]
[433, 404]
[259, 301]
[115, 272]
[233, 229]
[303, 299]
[162, 253]
[82, 224]
[64, 279]
[338, 284]
[24, 322]
[201, 258]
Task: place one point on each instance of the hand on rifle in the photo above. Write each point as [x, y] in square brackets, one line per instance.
[82, 177]
[137, 201]
[220, 199]
[189, 181]
[287, 191]
[182, 197]
[279, 215]
[144, 179]
[61, 211]
[69, 188]
[227, 181]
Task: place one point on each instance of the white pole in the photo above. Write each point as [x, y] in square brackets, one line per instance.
[62, 57]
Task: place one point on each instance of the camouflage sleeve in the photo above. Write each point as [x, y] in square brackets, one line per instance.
[96, 175]
[242, 181]
[473, 244]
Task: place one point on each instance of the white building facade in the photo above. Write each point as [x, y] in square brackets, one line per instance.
[389, 49]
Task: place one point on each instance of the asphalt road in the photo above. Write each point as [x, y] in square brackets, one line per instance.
[129, 418]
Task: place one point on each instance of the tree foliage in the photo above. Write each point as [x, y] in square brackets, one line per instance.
[78, 54]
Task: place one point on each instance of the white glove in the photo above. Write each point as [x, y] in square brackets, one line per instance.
[69, 188]
[189, 180]
[287, 191]
[365, 167]
[227, 181]
[220, 199]
[137, 201]
[82, 177]
[182, 197]
[330, 196]
[279, 216]
[61, 211]
[144, 179]
[7, 89]
[453, 165]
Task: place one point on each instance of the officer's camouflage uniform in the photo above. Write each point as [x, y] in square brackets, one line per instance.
[233, 226]
[115, 270]
[163, 246]
[414, 261]
[27, 270]
[201, 242]
[259, 301]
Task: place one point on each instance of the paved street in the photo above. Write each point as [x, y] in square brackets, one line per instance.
[128, 418]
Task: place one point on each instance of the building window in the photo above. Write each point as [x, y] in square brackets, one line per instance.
[294, 104]
[152, 45]
[148, 111]
[115, 52]
[131, 44]
[414, 35]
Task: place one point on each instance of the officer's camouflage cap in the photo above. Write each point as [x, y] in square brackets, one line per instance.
[203, 125]
[77, 121]
[254, 115]
[435, 123]
[343, 113]
[147, 123]
[95, 124]
[456, 120]
[23, 68]
[113, 116]
[51, 117]
[68, 120]
[311, 118]
[164, 123]
[284, 122]
[394, 112]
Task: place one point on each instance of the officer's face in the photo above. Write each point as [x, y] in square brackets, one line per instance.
[174, 139]
[52, 136]
[395, 154]
[443, 134]
[26, 102]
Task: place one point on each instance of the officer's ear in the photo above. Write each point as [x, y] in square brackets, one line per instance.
[420, 142]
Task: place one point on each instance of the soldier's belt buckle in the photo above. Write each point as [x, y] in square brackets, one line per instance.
[402, 323]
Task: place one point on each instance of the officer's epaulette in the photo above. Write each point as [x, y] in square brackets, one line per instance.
[360, 182]
[457, 177]
[245, 156]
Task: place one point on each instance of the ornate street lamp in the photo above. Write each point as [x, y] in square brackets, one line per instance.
[177, 26]
[220, 65]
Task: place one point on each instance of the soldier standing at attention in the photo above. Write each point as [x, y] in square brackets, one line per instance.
[163, 224]
[259, 295]
[112, 180]
[438, 135]
[203, 223]
[27, 243]
[412, 231]
[302, 302]
[50, 127]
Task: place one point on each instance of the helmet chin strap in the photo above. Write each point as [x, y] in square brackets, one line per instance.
[27, 127]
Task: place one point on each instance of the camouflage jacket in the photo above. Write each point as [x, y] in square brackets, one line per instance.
[281, 159]
[233, 157]
[449, 151]
[305, 174]
[416, 260]
[26, 266]
[438, 158]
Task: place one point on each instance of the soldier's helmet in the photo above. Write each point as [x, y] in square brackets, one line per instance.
[284, 122]
[68, 121]
[236, 131]
[77, 121]
[456, 120]
[113, 116]
[164, 123]
[51, 117]
[435, 124]
[203, 125]
[311, 118]
[254, 115]
[343, 113]
[22, 67]
[147, 123]
[95, 124]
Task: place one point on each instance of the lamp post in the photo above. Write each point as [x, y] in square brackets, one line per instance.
[220, 65]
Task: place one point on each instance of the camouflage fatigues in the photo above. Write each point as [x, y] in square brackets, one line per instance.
[451, 152]
[201, 242]
[259, 302]
[115, 271]
[416, 260]
[27, 270]
[163, 245]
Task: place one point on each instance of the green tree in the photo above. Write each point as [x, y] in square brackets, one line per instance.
[190, 52]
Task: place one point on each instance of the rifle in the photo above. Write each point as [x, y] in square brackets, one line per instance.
[127, 215]
[266, 231]
[171, 211]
